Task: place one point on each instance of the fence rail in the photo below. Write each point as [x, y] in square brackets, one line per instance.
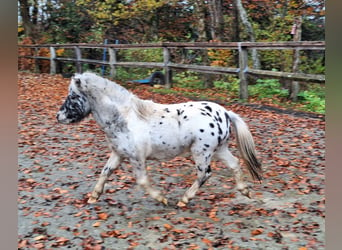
[242, 47]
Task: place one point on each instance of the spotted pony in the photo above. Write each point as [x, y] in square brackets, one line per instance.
[139, 130]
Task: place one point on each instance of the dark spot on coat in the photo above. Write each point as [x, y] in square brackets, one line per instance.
[220, 130]
[201, 130]
[179, 111]
[206, 145]
[226, 135]
[208, 108]
[160, 123]
[185, 117]
[208, 171]
[167, 110]
[211, 125]
[199, 168]
[212, 133]
[227, 118]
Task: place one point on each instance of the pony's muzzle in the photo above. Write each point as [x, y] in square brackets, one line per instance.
[61, 118]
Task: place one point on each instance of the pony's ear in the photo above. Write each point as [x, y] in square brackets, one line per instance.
[78, 82]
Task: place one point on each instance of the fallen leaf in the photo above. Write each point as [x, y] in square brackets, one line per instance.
[168, 226]
[40, 237]
[207, 241]
[103, 216]
[257, 232]
[78, 214]
[23, 244]
[97, 224]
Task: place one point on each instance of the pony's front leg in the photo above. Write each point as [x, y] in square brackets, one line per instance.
[144, 182]
[112, 163]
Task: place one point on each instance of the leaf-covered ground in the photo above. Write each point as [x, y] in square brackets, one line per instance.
[59, 165]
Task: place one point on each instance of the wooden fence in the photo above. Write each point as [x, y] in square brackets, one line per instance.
[167, 65]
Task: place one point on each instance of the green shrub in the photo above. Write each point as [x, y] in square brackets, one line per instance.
[187, 79]
[267, 88]
[313, 101]
[231, 86]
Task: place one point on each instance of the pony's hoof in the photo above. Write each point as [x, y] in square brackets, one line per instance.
[92, 200]
[164, 201]
[246, 193]
[181, 204]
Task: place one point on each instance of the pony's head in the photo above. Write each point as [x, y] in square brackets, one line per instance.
[76, 106]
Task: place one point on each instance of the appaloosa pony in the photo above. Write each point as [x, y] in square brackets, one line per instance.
[138, 130]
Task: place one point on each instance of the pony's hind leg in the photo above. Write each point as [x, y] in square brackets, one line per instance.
[202, 160]
[144, 182]
[112, 163]
[226, 157]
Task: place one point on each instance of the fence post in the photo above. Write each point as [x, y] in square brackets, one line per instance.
[78, 59]
[52, 61]
[243, 65]
[112, 61]
[36, 61]
[167, 70]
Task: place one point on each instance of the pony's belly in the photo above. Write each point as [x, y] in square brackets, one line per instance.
[167, 152]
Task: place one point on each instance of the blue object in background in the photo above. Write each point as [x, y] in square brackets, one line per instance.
[156, 78]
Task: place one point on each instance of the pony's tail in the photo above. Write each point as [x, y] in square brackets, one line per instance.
[246, 146]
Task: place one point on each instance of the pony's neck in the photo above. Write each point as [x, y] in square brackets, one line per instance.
[115, 92]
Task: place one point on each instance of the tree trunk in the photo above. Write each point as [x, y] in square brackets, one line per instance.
[200, 12]
[216, 20]
[250, 31]
[29, 26]
[236, 32]
[297, 36]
